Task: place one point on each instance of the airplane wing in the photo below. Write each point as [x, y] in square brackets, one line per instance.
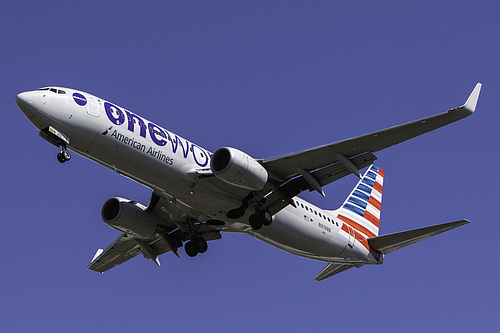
[314, 168]
[122, 249]
[172, 218]
[285, 167]
[125, 247]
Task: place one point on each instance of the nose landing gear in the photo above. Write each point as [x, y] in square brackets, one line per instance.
[58, 139]
[63, 156]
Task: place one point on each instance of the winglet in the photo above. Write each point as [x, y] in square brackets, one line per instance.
[470, 106]
[97, 254]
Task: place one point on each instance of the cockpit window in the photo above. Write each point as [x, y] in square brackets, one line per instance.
[54, 90]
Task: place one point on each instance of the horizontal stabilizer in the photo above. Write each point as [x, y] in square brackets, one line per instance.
[331, 270]
[389, 243]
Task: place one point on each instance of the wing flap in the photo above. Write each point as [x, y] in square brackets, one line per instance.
[389, 243]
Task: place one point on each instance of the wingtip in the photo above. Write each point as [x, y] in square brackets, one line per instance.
[97, 254]
[470, 105]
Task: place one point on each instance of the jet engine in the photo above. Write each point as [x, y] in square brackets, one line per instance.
[237, 168]
[129, 217]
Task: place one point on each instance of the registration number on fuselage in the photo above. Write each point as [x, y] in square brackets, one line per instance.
[324, 227]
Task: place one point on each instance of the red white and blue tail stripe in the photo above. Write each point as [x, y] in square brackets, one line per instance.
[361, 210]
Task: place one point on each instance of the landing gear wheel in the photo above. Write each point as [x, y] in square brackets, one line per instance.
[200, 244]
[190, 250]
[60, 158]
[63, 156]
[255, 222]
[66, 154]
[265, 217]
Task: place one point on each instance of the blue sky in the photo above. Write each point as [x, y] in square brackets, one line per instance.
[268, 78]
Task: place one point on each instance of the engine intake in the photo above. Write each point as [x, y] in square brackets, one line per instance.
[129, 217]
[237, 168]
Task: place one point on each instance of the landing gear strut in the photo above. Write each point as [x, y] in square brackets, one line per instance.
[260, 218]
[63, 156]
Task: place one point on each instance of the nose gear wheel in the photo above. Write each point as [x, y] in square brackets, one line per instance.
[63, 156]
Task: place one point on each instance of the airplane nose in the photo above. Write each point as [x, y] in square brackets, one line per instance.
[28, 103]
[24, 100]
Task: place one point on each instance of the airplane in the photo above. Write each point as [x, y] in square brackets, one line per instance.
[197, 194]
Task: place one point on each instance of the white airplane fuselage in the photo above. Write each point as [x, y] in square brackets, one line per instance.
[173, 167]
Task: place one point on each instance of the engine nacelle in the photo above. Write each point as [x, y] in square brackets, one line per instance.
[129, 217]
[237, 168]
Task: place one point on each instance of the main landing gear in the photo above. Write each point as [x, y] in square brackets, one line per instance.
[260, 218]
[195, 246]
[63, 156]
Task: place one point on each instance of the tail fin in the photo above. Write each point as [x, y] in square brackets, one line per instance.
[361, 210]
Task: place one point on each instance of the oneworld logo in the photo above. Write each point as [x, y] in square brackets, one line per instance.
[79, 99]
[159, 136]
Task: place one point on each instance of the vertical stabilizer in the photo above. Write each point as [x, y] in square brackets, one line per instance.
[361, 210]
